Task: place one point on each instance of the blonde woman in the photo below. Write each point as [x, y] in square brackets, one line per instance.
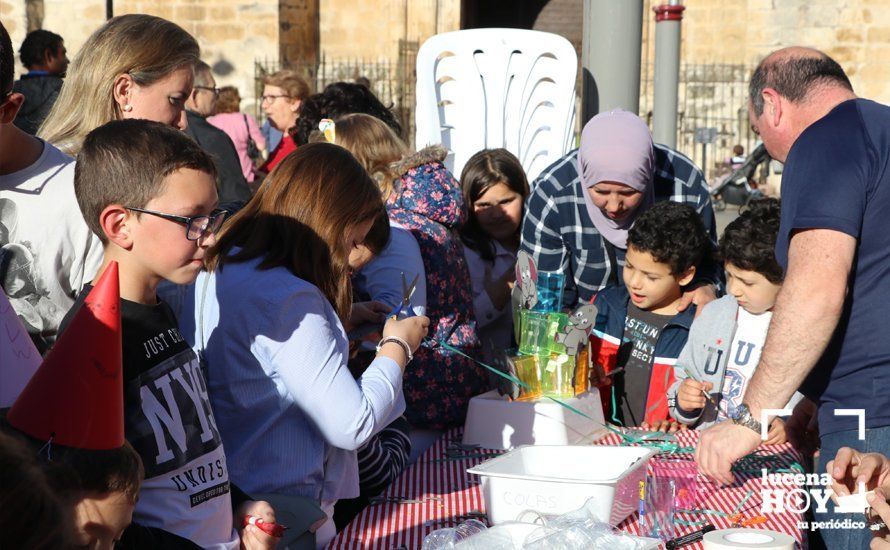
[133, 66]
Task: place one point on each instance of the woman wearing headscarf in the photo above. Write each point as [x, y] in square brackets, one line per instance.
[582, 206]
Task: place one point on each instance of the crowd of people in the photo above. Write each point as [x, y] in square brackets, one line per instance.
[303, 307]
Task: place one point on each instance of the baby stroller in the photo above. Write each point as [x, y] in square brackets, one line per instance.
[739, 187]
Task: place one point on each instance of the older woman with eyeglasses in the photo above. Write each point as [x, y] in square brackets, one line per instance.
[283, 95]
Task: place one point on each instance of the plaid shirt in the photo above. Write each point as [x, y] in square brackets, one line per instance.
[560, 236]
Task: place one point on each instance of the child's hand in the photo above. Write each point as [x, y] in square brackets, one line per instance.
[597, 376]
[666, 426]
[850, 467]
[690, 396]
[366, 312]
[252, 537]
[498, 290]
[410, 329]
[802, 428]
[776, 434]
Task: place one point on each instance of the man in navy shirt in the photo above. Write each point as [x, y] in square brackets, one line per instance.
[826, 335]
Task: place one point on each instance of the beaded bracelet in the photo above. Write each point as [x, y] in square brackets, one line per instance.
[398, 341]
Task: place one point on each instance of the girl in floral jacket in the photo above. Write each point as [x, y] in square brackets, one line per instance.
[422, 196]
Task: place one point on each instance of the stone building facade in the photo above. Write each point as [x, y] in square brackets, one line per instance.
[235, 33]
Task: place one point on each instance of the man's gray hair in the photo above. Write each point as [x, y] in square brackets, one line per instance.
[203, 74]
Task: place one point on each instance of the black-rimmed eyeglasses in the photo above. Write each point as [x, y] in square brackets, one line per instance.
[196, 227]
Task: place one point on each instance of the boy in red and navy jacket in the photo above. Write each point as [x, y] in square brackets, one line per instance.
[639, 331]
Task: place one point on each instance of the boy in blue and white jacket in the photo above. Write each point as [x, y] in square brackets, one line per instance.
[640, 330]
[726, 340]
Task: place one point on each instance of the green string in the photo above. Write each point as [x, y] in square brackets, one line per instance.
[501, 373]
[751, 464]
[742, 502]
[755, 463]
[705, 512]
[614, 406]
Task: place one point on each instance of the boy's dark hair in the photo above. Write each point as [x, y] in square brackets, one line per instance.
[749, 242]
[673, 234]
[484, 170]
[33, 515]
[71, 472]
[35, 46]
[7, 63]
[75, 471]
[125, 162]
[794, 77]
[378, 236]
[337, 100]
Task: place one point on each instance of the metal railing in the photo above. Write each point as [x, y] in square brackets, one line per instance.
[710, 96]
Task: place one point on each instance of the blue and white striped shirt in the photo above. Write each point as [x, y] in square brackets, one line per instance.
[559, 234]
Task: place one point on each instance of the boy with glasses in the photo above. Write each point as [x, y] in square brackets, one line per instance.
[149, 193]
[47, 252]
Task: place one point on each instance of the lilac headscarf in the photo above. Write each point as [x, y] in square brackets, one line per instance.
[616, 146]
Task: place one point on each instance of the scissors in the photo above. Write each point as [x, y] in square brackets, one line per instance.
[405, 309]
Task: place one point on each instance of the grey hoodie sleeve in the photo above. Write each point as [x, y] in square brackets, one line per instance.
[716, 323]
[707, 349]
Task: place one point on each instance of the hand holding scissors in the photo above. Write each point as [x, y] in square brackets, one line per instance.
[404, 308]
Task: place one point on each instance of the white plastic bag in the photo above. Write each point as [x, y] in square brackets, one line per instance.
[448, 538]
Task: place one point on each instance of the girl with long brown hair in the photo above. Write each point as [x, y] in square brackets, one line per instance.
[495, 188]
[269, 318]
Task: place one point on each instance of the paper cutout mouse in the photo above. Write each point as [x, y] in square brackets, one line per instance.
[526, 280]
[577, 331]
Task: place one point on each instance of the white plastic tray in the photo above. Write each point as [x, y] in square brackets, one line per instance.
[555, 479]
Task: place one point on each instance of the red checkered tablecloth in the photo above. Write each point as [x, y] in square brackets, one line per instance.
[446, 493]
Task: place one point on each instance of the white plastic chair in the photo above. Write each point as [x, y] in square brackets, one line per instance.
[488, 88]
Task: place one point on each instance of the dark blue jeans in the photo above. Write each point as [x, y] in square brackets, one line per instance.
[877, 440]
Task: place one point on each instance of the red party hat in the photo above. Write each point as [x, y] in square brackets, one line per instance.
[76, 397]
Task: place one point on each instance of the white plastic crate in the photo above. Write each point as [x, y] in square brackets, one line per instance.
[555, 479]
[493, 422]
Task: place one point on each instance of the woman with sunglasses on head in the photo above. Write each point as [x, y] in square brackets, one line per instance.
[133, 66]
